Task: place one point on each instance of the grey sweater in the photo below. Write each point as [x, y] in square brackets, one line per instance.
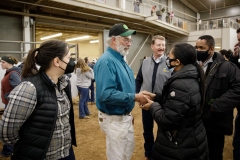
[145, 76]
[84, 79]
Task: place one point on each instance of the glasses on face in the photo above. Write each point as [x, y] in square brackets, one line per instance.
[127, 40]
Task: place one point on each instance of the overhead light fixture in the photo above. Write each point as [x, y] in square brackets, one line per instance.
[77, 38]
[94, 41]
[217, 47]
[51, 36]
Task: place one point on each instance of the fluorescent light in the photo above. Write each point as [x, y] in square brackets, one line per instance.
[217, 47]
[94, 41]
[77, 38]
[54, 35]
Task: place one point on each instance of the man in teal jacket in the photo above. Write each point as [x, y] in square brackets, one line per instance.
[115, 94]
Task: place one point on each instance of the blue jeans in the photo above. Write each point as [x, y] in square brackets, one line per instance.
[71, 155]
[148, 123]
[92, 98]
[83, 108]
[236, 139]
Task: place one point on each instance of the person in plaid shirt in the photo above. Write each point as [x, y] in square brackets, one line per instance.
[38, 120]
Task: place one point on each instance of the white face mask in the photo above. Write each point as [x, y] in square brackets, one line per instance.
[121, 49]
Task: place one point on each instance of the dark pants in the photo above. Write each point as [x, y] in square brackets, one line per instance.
[147, 121]
[7, 150]
[215, 145]
[92, 98]
[71, 155]
[236, 139]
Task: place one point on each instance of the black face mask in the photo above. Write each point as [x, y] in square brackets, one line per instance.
[168, 63]
[202, 55]
[70, 66]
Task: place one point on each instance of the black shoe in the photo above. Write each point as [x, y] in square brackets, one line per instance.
[5, 155]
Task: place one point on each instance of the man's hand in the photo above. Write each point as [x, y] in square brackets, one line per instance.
[140, 98]
[149, 95]
[147, 105]
[236, 50]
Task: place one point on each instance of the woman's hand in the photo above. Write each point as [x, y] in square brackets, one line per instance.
[147, 105]
[149, 95]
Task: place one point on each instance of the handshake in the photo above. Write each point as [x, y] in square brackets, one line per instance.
[145, 99]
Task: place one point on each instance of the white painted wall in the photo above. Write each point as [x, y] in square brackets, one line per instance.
[229, 43]
[113, 3]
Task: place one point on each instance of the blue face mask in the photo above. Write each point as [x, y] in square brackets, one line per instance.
[168, 63]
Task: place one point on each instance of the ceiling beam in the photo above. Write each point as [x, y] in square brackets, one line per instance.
[190, 6]
[203, 5]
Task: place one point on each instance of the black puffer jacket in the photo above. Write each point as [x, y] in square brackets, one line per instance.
[181, 134]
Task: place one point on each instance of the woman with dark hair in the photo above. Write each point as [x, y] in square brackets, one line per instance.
[39, 118]
[84, 77]
[226, 53]
[178, 109]
[10, 80]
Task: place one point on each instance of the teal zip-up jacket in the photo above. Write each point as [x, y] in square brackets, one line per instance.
[115, 84]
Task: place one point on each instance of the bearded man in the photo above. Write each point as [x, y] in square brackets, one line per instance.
[115, 94]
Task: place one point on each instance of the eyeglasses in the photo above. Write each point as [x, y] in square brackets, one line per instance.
[127, 40]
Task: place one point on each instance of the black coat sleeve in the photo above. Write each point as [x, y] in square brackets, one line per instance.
[139, 80]
[230, 99]
[158, 98]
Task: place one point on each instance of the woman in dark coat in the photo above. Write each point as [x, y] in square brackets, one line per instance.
[178, 109]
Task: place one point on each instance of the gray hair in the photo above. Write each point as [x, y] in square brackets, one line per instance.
[109, 40]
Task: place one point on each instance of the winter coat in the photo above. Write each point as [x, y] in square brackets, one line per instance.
[181, 134]
[222, 95]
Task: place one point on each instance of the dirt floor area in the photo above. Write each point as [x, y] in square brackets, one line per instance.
[91, 140]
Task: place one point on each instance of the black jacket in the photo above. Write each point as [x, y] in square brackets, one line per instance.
[234, 60]
[222, 95]
[37, 131]
[181, 134]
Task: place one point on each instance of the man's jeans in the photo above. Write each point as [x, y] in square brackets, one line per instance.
[83, 108]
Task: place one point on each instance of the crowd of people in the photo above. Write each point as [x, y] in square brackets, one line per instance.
[190, 93]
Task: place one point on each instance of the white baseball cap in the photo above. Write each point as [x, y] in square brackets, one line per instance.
[94, 61]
